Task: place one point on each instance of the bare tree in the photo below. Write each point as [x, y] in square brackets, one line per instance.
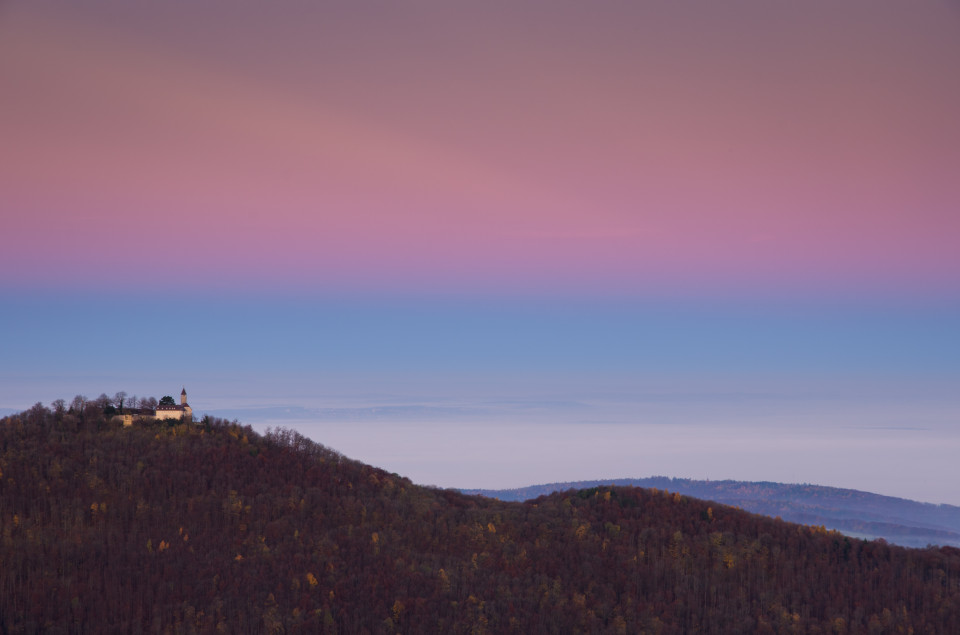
[38, 413]
[78, 404]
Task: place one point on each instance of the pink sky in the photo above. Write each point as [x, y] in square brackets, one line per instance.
[431, 147]
[444, 161]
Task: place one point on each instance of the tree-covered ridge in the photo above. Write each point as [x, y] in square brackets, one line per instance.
[214, 528]
[904, 522]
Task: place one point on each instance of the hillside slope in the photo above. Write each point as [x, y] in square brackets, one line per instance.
[862, 514]
[213, 528]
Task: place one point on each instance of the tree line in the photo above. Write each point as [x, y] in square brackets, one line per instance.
[216, 528]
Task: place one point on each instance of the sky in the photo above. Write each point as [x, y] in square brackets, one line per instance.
[467, 242]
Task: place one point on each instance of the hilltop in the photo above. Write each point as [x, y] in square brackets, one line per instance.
[211, 527]
[855, 513]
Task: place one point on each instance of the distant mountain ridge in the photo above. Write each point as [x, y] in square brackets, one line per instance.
[858, 514]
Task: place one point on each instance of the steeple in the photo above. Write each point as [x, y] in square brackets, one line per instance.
[183, 397]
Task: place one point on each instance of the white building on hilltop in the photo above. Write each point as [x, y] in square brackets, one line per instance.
[182, 411]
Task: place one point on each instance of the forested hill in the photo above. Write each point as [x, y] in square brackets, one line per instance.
[214, 528]
[852, 512]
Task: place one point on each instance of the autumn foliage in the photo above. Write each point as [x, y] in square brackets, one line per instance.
[215, 528]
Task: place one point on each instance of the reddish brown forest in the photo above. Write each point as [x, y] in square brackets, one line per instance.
[214, 528]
